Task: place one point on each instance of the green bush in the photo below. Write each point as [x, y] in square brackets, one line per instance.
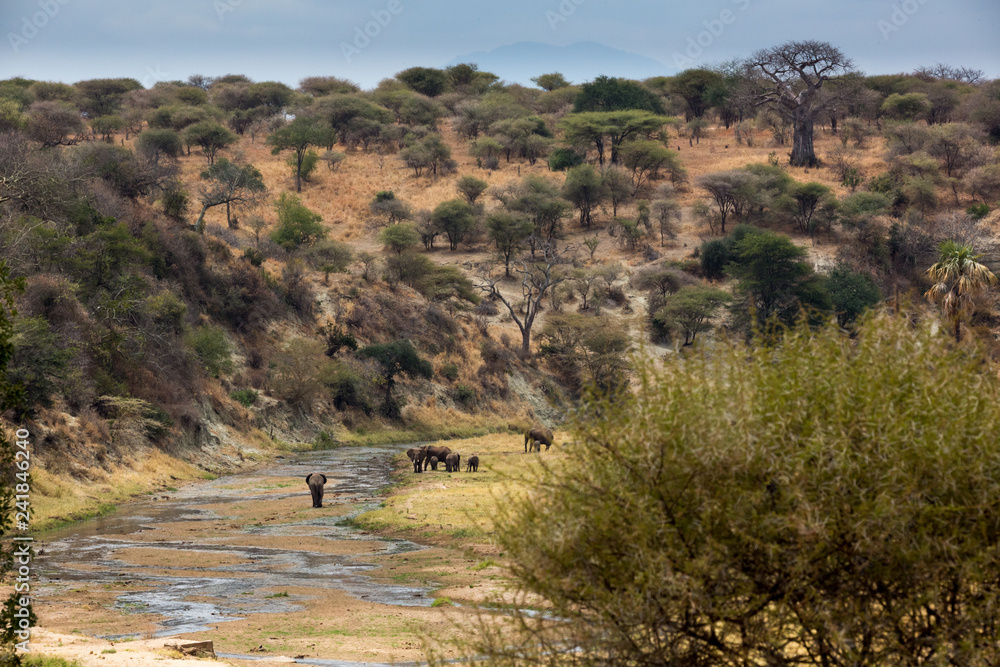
[449, 371]
[562, 159]
[297, 225]
[978, 211]
[464, 394]
[212, 349]
[246, 397]
[821, 500]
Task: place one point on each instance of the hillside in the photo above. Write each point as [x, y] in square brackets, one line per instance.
[154, 348]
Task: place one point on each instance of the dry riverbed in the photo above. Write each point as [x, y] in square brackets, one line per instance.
[246, 562]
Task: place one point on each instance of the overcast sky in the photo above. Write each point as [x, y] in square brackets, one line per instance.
[286, 40]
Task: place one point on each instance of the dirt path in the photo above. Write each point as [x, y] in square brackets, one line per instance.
[246, 562]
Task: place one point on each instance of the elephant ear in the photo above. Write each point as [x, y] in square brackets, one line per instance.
[307, 477]
[324, 477]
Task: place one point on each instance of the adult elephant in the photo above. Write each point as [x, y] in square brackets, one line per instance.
[315, 481]
[453, 463]
[539, 433]
[433, 450]
[419, 456]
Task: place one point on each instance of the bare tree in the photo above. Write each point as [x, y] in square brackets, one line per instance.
[537, 277]
[797, 71]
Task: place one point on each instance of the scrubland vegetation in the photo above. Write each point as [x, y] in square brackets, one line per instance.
[216, 267]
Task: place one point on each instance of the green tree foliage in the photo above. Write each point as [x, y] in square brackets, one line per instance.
[584, 190]
[424, 80]
[156, 143]
[471, 188]
[613, 94]
[756, 505]
[230, 183]
[540, 200]
[388, 208]
[39, 364]
[397, 358]
[852, 294]
[552, 81]
[211, 136]
[644, 159]
[456, 218]
[340, 111]
[607, 131]
[399, 237]
[694, 86]
[430, 153]
[562, 159]
[617, 186]
[508, 231]
[811, 204]
[586, 351]
[297, 225]
[103, 97]
[298, 136]
[689, 312]
[212, 349]
[907, 107]
[771, 274]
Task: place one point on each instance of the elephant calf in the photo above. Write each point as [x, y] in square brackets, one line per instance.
[434, 463]
[315, 481]
[472, 465]
[453, 462]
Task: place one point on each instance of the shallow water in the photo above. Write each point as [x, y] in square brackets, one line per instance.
[355, 474]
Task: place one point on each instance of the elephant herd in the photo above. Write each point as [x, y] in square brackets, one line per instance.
[433, 455]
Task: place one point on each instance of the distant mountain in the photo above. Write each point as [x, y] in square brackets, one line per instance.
[578, 62]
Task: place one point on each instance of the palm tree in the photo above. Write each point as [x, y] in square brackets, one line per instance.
[960, 277]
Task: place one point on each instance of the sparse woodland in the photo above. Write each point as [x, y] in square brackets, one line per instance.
[218, 264]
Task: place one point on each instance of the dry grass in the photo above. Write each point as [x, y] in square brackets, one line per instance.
[456, 509]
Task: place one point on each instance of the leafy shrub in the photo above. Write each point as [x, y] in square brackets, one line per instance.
[449, 371]
[246, 397]
[978, 211]
[254, 256]
[464, 394]
[562, 159]
[212, 349]
[815, 500]
[297, 225]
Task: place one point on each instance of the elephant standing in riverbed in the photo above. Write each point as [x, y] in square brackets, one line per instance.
[315, 481]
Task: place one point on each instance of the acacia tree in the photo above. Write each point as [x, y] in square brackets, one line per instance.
[299, 135]
[537, 277]
[230, 183]
[797, 71]
[396, 358]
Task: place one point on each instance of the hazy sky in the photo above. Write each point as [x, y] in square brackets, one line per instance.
[286, 40]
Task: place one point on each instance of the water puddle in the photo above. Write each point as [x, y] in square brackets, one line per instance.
[228, 590]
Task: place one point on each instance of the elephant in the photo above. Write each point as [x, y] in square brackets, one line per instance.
[472, 464]
[411, 452]
[433, 450]
[434, 463]
[453, 462]
[316, 480]
[419, 456]
[539, 433]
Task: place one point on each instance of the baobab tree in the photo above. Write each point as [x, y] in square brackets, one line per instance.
[797, 72]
